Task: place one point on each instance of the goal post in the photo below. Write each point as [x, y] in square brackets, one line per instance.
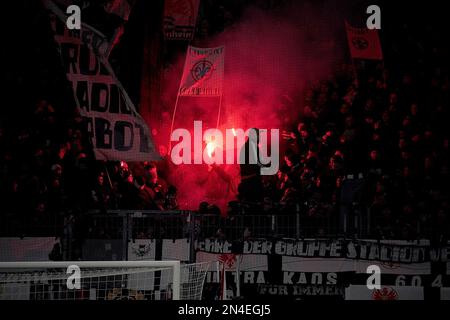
[102, 280]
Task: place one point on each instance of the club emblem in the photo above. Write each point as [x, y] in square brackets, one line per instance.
[142, 250]
[360, 43]
[202, 70]
[385, 294]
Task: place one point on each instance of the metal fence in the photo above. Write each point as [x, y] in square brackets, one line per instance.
[32, 225]
[152, 224]
[122, 226]
[181, 224]
[119, 227]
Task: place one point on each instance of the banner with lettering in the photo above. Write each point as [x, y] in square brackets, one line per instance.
[370, 250]
[203, 72]
[116, 129]
[180, 17]
[308, 268]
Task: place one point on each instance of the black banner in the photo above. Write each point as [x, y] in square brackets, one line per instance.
[388, 251]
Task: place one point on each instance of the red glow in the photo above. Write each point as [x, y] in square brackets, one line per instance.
[210, 147]
[264, 78]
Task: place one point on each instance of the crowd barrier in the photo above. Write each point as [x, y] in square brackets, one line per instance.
[74, 229]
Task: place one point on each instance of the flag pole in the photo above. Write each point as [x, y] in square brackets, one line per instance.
[220, 99]
[173, 121]
[220, 108]
[110, 185]
[178, 97]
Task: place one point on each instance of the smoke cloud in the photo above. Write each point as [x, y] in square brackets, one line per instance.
[270, 56]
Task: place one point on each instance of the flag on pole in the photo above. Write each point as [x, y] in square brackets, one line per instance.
[203, 72]
[180, 17]
[364, 43]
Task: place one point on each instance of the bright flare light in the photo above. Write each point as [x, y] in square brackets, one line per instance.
[210, 146]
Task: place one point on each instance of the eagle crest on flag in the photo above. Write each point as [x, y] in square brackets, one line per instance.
[385, 293]
[363, 43]
[202, 70]
[142, 250]
[360, 43]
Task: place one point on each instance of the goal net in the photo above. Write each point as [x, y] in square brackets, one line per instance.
[102, 280]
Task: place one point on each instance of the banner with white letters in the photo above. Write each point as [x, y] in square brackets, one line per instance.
[116, 129]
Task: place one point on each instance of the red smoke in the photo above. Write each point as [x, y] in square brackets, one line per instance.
[269, 58]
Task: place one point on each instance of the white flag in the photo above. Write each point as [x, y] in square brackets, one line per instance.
[203, 72]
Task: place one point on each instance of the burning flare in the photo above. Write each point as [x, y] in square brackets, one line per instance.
[210, 146]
